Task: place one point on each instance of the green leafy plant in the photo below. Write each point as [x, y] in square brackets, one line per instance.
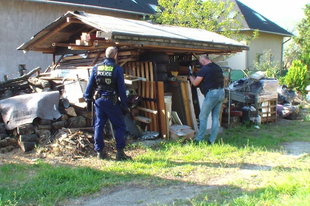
[297, 77]
[303, 39]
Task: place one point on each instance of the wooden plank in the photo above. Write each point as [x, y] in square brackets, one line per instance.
[148, 110]
[147, 94]
[162, 112]
[175, 117]
[186, 104]
[144, 92]
[191, 107]
[138, 75]
[153, 96]
[142, 119]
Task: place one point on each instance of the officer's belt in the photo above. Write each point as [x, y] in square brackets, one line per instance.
[107, 97]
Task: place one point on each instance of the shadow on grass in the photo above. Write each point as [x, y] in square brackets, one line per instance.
[44, 184]
[268, 136]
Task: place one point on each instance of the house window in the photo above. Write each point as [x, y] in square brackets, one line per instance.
[271, 57]
[259, 58]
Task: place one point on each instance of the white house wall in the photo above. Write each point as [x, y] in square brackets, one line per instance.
[20, 20]
[237, 61]
[264, 42]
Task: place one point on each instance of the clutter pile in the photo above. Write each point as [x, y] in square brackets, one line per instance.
[34, 113]
[257, 99]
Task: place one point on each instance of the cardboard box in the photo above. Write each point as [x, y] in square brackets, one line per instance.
[183, 132]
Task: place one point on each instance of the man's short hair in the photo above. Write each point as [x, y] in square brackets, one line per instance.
[110, 52]
[205, 56]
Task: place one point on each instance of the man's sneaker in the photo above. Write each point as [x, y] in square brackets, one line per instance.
[101, 155]
[120, 155]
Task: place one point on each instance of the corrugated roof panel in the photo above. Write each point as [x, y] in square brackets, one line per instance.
[144, 28]
[130, 31]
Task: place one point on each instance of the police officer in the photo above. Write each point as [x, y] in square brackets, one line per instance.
[107, 80]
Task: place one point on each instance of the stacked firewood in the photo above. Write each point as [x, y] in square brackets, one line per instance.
[69, 143]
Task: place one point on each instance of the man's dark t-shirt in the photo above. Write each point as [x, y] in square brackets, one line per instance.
[212, 77]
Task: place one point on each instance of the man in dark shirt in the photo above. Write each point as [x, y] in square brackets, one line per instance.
[107, 79]
[210, 79]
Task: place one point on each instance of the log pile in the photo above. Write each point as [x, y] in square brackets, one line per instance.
[69, 143]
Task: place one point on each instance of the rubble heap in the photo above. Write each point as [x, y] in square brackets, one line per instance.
[62, 136]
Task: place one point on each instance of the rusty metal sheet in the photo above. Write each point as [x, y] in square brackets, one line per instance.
[23, 109]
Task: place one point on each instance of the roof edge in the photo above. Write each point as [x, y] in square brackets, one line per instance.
[268, 32]
[89, 6]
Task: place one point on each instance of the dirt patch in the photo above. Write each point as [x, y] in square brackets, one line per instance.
[144, 196]
[297, 148]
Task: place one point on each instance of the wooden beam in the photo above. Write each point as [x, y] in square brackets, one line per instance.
[49, 34]
[60, 44]
[74, 20]
[96, 58]
[147, 110]
[142, 119]
[45, 50]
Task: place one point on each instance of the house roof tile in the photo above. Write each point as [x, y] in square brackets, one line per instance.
[253, 20]
[131, 6]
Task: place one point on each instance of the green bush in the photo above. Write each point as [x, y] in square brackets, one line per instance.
[297, 77]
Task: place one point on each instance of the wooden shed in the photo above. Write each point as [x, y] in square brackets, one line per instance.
[155, 59]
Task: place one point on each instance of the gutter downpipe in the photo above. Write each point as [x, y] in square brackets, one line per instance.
[282, 51]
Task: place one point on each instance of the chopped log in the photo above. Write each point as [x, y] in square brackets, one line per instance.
[39, 83]
[59, 124]
[72, 136]
[6, 149]
[43, 134]
[8, 142]
[45, 122]
[71, 112]
[2, 128]
[82, 144]
[44, 127]
[22, 78]
[75, 122]
[25, 129]
[27, 146]
[29, 138]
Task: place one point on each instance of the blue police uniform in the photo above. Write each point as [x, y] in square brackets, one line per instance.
[105, 108]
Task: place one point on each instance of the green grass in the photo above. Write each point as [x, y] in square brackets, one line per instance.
[286, 183]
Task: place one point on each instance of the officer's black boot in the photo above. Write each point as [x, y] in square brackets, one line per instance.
[101, 154]
[120, 155]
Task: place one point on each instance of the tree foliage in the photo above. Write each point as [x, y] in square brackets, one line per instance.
[215, 16]
[292, 52]
[303, 38]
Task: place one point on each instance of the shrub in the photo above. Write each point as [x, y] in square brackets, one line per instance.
[297, 77]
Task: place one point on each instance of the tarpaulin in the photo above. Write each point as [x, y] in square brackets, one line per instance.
[23, 109]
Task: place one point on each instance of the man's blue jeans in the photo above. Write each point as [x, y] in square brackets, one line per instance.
[211, 103]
